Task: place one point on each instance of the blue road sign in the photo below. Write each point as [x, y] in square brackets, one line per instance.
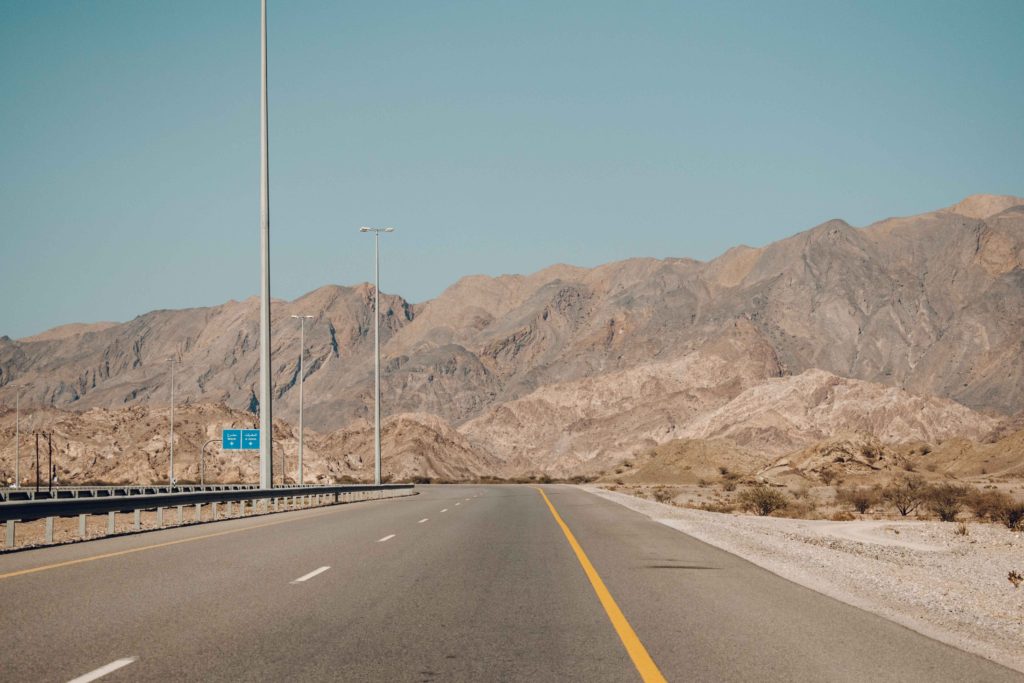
[250, 439]
[231, 439]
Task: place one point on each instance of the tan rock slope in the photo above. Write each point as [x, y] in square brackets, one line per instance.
[130, 446]
[835, 329]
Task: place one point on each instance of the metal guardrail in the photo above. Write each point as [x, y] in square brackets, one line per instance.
[11, 494]
[17, 511]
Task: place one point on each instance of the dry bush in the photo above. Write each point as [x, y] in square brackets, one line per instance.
[1015, 578]
[946, 500]
[801, 509]
[729, 484]
[987, 504]
[1012, 515]
[718, 506]
[842, 516]
[762, 499]
[827, 476]
[663, 495]
[961, 529]
[905, 494]
[861, 499]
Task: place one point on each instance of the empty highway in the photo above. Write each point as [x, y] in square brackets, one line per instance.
[459, 583]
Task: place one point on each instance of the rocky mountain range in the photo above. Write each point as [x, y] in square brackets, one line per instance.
[908, 329]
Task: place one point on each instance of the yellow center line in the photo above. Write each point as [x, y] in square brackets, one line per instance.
[645, 666]
[129, 551]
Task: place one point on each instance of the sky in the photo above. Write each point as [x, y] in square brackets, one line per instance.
[496, 137]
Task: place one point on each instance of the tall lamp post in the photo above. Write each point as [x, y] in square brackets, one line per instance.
[302, 352]
[266, 416]
[376, 348]
[173, 361]
[17, 437]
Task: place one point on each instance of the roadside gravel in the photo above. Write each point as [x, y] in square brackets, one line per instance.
[917, 573]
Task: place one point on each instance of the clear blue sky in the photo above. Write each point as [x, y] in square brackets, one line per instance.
[498, 137]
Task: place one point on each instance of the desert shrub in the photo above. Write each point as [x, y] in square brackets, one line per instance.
[860, 499]
[801, 509]
[762, 499]
[827, 476]
[729, 484]
[905, 494]
[870, 452]
[703, 483]
[718, 506]
[1015, 578]
[961, 529]
[663, 495]
[1012, 515]
[986, 504]
[842, 516]
[420, 479]
[724, 471]
[946, 500]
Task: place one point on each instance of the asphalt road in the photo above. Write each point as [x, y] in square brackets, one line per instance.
[459, 583]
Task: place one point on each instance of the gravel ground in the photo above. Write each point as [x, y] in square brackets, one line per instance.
[919, 574]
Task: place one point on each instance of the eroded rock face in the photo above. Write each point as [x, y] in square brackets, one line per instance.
[574, 367]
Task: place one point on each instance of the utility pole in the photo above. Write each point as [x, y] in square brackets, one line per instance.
[376, 349]
[266, 417]
[170, 476]
[302, 352]
[17, 437]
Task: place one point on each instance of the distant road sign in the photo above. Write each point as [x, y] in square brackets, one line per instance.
[231, 439]
[250, 439]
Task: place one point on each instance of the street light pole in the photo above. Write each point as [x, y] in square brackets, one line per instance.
[302, 352]
[202, 461]
[376, 349]
[266, 417]
[17, 437]
[170, 478]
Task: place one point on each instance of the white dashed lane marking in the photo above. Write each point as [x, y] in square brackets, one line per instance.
[386, 538]
[307, 577]
[423, 520]
[104, 670]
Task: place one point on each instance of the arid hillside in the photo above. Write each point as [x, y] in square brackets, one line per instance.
[909, 329]
[130, 445]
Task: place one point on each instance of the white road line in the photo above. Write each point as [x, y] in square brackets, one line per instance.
[104, 670]
[423, 520]
[386, 538]
[310, 575]
[458, 503]
[445, 510]
[467, 499]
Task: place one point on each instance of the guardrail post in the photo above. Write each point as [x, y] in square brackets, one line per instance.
[241, 509]
[213, 507]
[159, 517]
[138, 519]
[110, 522]
[229, 508]
[9, 542]
[49, 529]
[277, 507]
[199, 512]
[81, 526]
[181, 514]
